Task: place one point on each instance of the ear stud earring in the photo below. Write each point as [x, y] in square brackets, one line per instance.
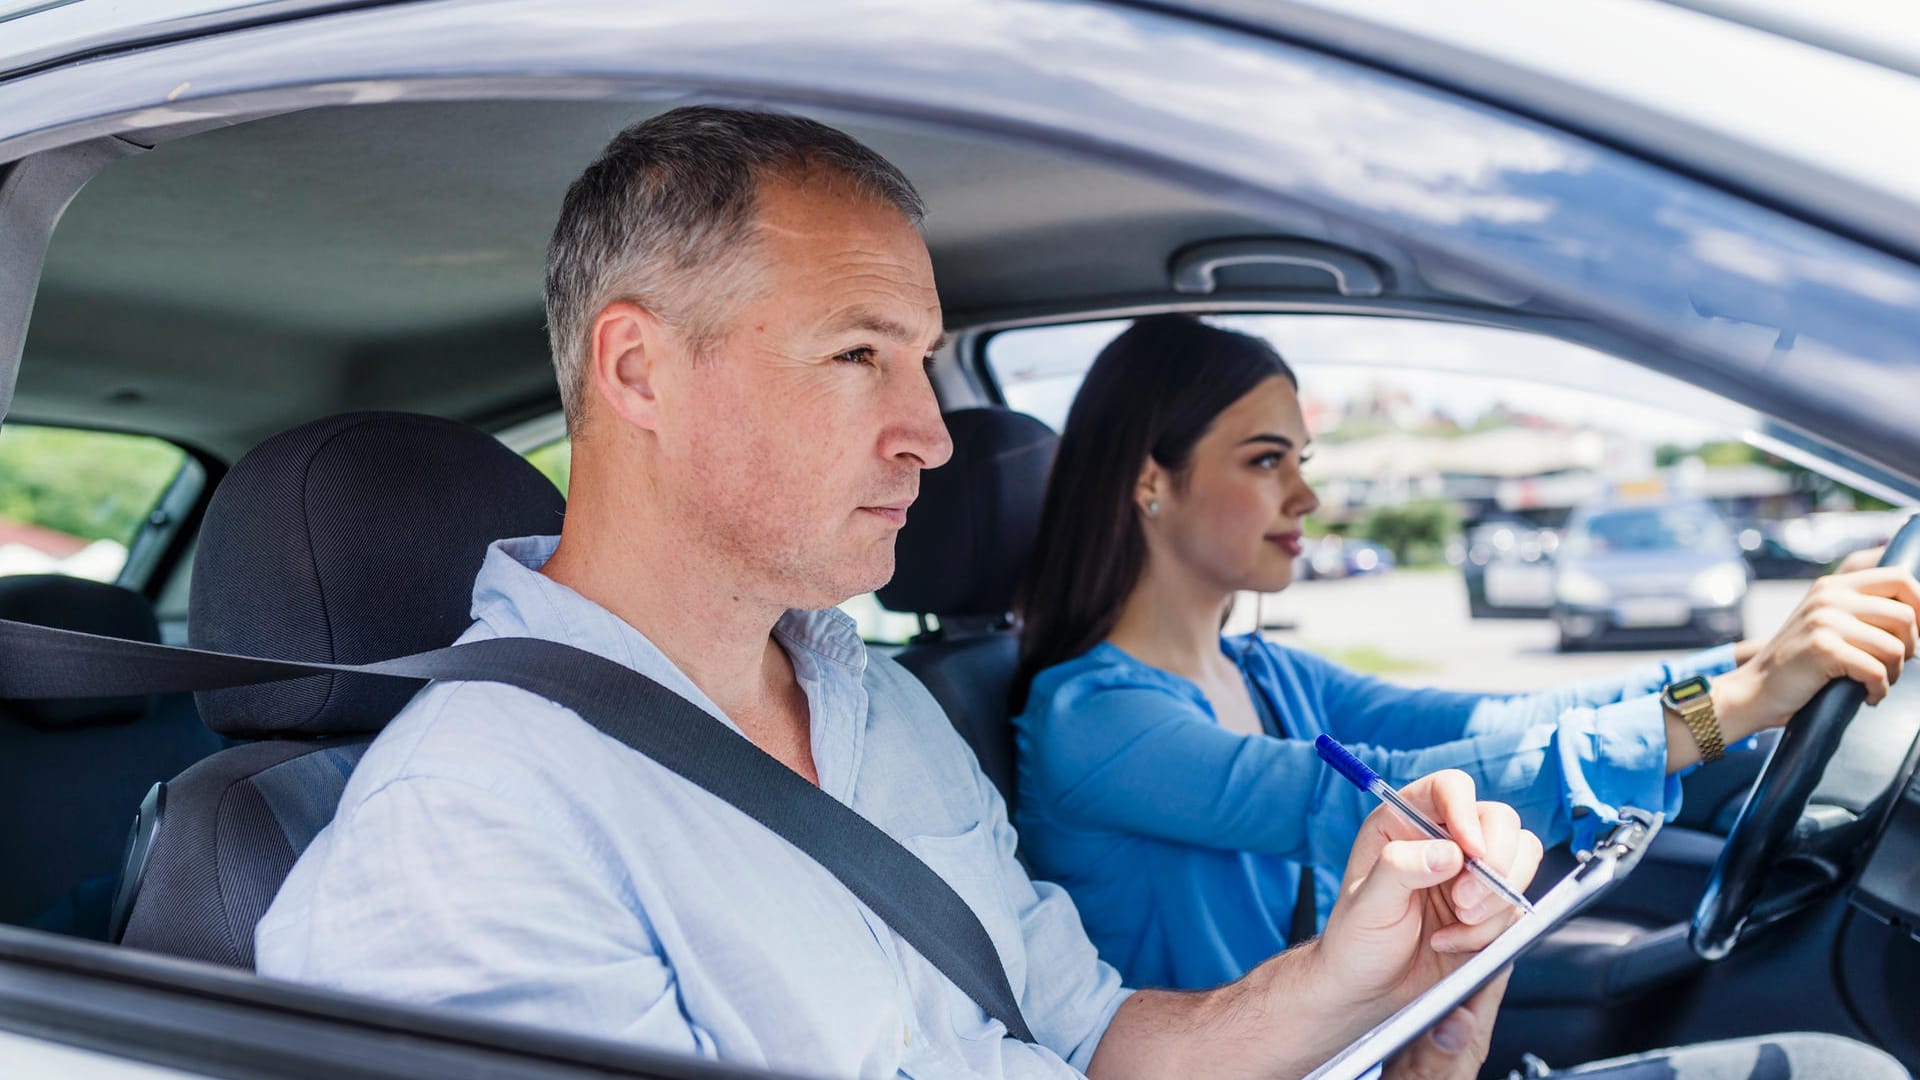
[1153, 506]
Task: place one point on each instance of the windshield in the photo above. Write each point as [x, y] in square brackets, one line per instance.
[1654, 528]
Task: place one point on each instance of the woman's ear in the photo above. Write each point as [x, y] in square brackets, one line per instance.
[1147, 491]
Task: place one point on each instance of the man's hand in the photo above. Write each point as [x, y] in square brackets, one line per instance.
[1456, 1048]
[1409, 912]
[1862, 624]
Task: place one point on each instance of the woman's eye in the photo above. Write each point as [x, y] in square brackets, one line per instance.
[861, 355]
[1268, 461]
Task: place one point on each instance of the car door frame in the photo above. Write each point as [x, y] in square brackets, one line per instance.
[1084, 78]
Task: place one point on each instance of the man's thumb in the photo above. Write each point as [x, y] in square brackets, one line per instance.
[1404, 868]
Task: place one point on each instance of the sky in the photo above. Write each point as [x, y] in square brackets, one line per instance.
[1462, 371]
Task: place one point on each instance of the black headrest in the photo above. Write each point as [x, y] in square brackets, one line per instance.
[347, 540]
[91, 607]
[967, 537]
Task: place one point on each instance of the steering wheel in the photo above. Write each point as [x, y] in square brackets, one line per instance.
[1770, 828]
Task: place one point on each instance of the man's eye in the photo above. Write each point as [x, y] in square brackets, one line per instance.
[861, 355]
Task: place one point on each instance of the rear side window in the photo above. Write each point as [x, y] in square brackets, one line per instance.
[80, 502]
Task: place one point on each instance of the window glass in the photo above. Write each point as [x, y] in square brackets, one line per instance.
[74, 502]
[877, 625]
[1451, 460]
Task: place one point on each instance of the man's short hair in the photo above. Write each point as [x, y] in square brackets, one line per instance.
[665, 217]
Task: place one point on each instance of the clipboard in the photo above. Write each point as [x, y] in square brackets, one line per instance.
[1599, 870]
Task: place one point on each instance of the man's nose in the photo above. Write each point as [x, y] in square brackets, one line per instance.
[915, 427]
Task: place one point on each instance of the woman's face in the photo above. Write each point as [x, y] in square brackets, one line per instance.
[1233, 522]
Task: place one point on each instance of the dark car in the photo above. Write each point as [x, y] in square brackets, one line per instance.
[1649, 573]
[226, 219]
[1768, 559]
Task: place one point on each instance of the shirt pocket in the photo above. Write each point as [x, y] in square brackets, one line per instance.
[969, 862]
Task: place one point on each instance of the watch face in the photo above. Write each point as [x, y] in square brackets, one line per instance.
[1687, 689]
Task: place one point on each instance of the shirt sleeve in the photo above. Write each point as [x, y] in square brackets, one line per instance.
[441, 892]
[1367, 709]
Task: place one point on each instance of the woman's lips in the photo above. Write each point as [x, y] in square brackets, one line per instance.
[1288, 542]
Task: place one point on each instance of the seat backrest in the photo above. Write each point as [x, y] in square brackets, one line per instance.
[347, 540]
[959, 559]
[72, 770]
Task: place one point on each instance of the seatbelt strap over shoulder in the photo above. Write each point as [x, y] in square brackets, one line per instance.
[46, 662]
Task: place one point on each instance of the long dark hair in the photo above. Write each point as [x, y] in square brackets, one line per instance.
[1153, 391]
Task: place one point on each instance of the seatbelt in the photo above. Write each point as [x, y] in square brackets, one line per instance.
[47, 662]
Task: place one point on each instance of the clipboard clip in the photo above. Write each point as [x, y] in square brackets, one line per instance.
[1626, 844]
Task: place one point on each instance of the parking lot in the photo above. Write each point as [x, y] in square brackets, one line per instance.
[1412, 627]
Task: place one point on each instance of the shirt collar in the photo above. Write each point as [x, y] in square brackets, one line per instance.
[513, 599]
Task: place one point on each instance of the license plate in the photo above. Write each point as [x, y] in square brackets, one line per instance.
[1653, 611]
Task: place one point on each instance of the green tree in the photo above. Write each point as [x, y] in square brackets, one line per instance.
[91, 484]
[1415, 532]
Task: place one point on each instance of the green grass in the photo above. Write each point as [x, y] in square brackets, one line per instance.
[1367, 660]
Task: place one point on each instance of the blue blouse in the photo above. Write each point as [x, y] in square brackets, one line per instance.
[1182, 842]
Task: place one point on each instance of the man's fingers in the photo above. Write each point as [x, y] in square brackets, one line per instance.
[1449, 798]
[1386, 894]
[1500, 826]
[1480, 924]
[1456, 1047]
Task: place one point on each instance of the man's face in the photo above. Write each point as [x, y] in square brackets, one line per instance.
[794, 448]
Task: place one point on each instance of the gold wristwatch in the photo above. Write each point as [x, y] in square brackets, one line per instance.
[1693, 700]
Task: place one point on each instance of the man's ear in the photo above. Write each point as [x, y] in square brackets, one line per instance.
[625, 346]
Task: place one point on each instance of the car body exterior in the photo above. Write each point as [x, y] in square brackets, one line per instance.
[1507, 565]
[1770, 559]
[1650, 571]
[1754, 251]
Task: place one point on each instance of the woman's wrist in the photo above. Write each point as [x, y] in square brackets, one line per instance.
[1739, 707]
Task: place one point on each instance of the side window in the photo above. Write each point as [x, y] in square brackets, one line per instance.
[1459, 471]
[90, 504]
[878, 626]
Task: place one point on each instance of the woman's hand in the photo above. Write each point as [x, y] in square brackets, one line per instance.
[1408, 912]
[1862, 624]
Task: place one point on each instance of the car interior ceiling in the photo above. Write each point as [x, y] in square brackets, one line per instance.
[240, 281]
[232, 283]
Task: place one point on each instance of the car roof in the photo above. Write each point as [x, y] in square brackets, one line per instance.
[1086, 209]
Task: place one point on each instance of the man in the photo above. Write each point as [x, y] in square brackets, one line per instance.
[741, 310]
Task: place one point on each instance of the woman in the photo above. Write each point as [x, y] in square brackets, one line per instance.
[1167, 776]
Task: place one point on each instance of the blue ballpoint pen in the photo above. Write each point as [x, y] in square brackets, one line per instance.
[1366, 779]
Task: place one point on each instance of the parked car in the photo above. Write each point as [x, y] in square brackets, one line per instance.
[1768, 559]
[227, 218]
[1507, 564]
[1363, 557]
[1649, 572]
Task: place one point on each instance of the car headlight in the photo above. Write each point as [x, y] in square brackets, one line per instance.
[1719, 586]
[1581, 589]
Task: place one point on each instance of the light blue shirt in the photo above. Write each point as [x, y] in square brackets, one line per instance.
[495, 854]
[1183, 842]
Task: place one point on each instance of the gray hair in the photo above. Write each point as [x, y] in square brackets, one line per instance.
[666, 214]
